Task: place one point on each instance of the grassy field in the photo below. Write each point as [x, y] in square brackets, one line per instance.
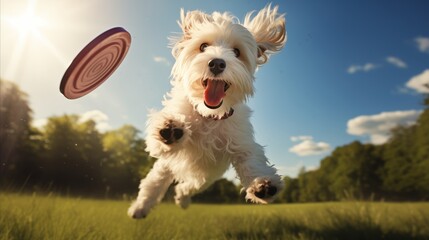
[52, 217]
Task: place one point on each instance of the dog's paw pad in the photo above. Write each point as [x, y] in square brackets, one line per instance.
[262, 190]
[265, 191]
[171, 133]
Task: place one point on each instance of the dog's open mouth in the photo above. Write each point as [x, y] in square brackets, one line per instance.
[214, 92]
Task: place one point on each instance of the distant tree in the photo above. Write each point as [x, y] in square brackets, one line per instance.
[92, 153]
[357, 171]
[406, 157]
[325, 172]
[426, 100]
[398, 162]
[352, 170]
[15, 131]
[126, 162]
[79, 159]
[317, 188]
[421, 166]
[72, 154]
[221, 191]
[290, 192]
[302, 183]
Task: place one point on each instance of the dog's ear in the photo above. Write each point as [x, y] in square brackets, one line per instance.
[188, 22]
[191, 19]
[268, 29]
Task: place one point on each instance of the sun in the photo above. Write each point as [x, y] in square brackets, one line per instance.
[39, 33]
[28, 23]
[24, 29]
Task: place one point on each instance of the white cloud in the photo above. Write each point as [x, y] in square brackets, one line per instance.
[162, 60]
[300, 138]
[100, 119]
[361, 68]
[396, 62]
[39, 123]
[307, 146]
[378, 126]
[420, 83]
[422, 44]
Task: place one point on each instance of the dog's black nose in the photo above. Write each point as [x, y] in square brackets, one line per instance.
[217, 66]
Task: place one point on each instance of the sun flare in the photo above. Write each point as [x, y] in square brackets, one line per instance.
[27, 22]
[26, 28]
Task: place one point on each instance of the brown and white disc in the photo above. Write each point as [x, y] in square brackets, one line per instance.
[95, 63]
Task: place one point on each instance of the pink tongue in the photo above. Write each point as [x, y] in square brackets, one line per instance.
[214, 93]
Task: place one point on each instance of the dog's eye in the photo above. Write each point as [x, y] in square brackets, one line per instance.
[237, 52]
[203, 47]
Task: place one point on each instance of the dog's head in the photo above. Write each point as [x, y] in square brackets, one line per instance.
[216, 56]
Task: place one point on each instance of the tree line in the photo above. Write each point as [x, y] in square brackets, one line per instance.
[72, 157]
[397, 170]
[66, 155]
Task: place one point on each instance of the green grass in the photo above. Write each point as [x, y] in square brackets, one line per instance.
[52, 217]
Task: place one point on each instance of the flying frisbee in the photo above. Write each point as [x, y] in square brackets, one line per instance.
[95, 63]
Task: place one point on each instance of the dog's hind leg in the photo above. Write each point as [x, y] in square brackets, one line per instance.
[152, 190]
[183, 194]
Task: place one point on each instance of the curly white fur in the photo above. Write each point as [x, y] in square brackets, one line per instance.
[192, 140]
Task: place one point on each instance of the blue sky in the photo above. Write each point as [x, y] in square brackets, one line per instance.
[350, 70]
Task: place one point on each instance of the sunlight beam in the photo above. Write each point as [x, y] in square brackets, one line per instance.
[52, 49]
[27, 24]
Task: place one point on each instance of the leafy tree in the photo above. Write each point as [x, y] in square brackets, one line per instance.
[325, 172]
[126, 162]
[356, 173]
[302, 183]
[421, 166]
[15, 131]
[221, 191]
[290, 192]
[72, 154]
[311, 186]
[398, 162]
[318, 187]
[406, 157]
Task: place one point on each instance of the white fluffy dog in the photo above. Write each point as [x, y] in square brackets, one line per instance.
[204, 125]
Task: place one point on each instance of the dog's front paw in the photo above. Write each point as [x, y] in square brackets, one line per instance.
[137, 211]
[262, 190]
[171, 133]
